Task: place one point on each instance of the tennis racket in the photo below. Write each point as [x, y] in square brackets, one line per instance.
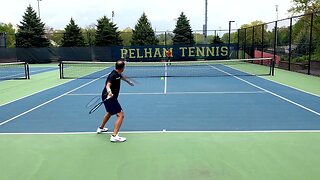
[95, 100]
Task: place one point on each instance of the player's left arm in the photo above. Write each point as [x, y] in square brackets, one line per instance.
[127, 80]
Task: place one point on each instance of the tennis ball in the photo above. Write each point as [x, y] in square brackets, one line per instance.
[162, 78]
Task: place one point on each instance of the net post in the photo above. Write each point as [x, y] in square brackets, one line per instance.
[275, 44]
[61, 69]
[26, 70]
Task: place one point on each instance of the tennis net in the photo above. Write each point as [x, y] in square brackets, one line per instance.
[15, 70]
[236, 67]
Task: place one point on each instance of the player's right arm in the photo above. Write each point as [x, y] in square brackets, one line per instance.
[108, 88]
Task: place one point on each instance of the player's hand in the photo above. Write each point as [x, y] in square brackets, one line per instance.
[131, 83]
[110, 95]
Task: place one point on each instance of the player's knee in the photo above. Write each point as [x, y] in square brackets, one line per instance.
[121, 115]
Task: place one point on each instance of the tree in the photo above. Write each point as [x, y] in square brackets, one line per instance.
[165, 38]
[216, 40]
[301, 29]
[182, 32]
[10, 34]
[143, 33]
[199, 38]
[31, 31]
[304, 6]
[302, 45]
[72, 36]
[283, 36]
[107, 33]
[90, 34]
[126, 36]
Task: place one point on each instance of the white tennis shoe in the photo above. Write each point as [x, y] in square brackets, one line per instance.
[117, 138]
[99, 130]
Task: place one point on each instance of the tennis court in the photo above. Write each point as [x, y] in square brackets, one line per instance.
[217, 122]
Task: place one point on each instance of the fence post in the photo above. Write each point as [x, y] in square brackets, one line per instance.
[275, 41]
[238, 43]
[262, 44]
[244, 43]
[310, 44]
[252, 45]
[290, 44]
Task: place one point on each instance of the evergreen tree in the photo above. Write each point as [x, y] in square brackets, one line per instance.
[72, 36]
[143, 33]
[182, 32]
[31, 31]
[217, 40]
[107, 33]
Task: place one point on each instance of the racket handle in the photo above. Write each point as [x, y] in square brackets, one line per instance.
[108, 97]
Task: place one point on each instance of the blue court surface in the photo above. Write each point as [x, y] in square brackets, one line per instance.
[229, 103]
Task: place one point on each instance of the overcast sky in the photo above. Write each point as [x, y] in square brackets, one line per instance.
[161, 13]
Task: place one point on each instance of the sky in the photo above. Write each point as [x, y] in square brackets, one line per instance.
[162, 14]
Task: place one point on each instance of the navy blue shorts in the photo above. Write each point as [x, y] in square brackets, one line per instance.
[112, 106]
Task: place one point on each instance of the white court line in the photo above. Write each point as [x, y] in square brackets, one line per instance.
[292, 87]
[178, 93]
[165, 78]
[33, 93]
[163, 132]
[13, 118]
[272, 93]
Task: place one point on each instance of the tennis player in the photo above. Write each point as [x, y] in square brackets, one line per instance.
[111, 93]
[169, 56]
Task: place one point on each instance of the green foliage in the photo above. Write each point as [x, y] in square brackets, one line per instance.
[183, 32]
[72, 36]
[225, 38]
[54, 36]
[126, 36]
[216, 40]
[316, 36]
[31, 31]
[89, 35]
[143, 33]
[283, 36]
[304, 6]
[199, 38]
[9, 30]
[107, 33]
[249, 35]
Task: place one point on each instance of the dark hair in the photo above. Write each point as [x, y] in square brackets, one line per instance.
[120, 64]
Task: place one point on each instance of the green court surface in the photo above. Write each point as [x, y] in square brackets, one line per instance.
[159, 155]
[162, 156]
[16, 89]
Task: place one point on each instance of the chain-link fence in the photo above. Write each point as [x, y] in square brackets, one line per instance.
[292, 42]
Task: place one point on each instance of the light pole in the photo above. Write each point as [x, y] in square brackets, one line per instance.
[277, 6]
[39, 7]
[230, 31]
[112, 15]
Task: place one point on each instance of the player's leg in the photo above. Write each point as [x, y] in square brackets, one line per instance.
[118, 123]
[106, 117]
[120, 116]
[101, 128]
